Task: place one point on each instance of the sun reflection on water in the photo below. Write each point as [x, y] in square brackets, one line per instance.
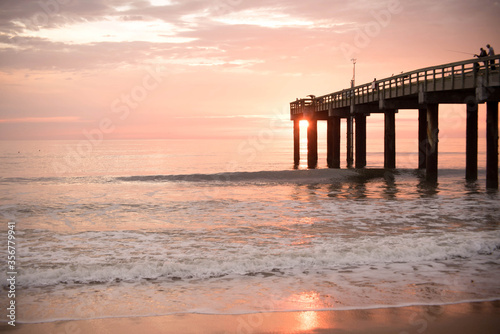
[308, 320]
[308, 300]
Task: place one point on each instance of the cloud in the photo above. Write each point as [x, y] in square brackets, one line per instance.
[259, 34]
[43, 120]
[72, 34]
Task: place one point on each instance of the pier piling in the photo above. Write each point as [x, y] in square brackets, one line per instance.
[296, 142]
[492, 145]
[471, 141]
[360, 141]
[350, 142]
[312, 144]
[431, 173]
[333, 142]
[422, 138]
[390, 139]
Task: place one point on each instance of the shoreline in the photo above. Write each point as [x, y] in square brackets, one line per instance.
[461, 318]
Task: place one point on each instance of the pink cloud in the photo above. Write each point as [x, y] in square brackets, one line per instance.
[43, 120]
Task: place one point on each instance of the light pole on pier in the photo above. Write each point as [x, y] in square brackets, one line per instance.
[350, 125]
[353, 81]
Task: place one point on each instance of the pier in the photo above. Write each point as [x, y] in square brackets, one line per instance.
[470, 82]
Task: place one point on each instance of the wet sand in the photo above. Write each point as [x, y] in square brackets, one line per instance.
[481, 317]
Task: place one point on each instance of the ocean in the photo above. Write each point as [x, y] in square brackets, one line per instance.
[137, 228]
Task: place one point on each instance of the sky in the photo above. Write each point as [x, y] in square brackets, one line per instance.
[118, 69]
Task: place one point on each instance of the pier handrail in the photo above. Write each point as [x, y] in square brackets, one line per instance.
[457, 75]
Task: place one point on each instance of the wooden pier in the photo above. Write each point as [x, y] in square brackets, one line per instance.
[471, 82]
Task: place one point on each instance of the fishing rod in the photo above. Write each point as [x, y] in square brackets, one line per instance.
[467, 53]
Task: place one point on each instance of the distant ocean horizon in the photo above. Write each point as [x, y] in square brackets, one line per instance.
[134, 228]
[254, 153]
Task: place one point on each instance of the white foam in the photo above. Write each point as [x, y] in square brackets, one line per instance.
[135, 256]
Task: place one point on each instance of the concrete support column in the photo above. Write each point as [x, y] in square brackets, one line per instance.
[390, 139]
[422, 138]
[296, 142]
[492, 145]
[360, 141]
[350, 142]
[312, 143]
[471, 142]
[431, 173]
[333, 142]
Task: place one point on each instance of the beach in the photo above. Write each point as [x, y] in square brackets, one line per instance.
[464, 318]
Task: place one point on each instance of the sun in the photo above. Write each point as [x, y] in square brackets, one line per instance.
[304, 123]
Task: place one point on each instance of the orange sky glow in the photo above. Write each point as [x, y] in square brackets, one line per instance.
[216, 68]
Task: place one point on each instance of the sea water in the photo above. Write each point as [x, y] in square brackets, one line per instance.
[142, 228]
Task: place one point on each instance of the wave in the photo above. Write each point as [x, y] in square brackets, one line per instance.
[292, 176]
[282, 176]
[125, 258]
[316, 175]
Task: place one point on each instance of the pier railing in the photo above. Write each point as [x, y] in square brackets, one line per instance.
[462, 75]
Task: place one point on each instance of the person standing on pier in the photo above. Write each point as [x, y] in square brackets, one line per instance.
[491, 53]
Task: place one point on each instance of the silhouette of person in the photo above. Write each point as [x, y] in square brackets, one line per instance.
[374, 84]
[491, 53]
[482, 54]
